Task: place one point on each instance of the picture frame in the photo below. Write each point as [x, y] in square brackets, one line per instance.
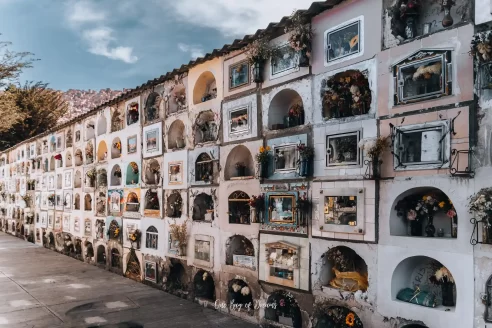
[76, 224]
[150, 271]
[203, 251]
[282, 208]
[351, 208]
[114, 200]
[239, 122]
[173, 246]
[286, 158]
[175, 173]
[239, 75]
[342, 149]
[285, 59]
[344, 41]
[66, 223]
[132, 144]
[67, 179]
[87, 227]
[58, 221]
[152, 140]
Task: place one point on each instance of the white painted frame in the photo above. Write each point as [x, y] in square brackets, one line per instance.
[360, 20]
[360, 194]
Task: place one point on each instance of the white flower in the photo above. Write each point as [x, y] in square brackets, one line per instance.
[273, 256]
[205, 275]
[236, 288]
[245, 291]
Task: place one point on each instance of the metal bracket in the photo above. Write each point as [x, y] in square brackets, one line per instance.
[394, 132]
[467, 172]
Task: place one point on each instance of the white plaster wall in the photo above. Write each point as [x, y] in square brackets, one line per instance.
[160, 225]
[483, 11]
[248, 101]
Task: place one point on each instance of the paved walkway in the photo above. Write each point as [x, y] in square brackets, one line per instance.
[43, 289]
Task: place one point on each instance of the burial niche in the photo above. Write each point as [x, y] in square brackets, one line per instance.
[89, 251]
[68, 156]
[205, 128]
[116, 176]
[239, 164]
[204, 168]
[89, 130]
[102, 152]
[152, 174]
[78, 157]
[286, 311]
[132, 113]
[116, 121]
[102, 178]
[238, 292]
[205, 88]
[87, 202]
[132, 202]
[204, 285]
[203, 208]
[176, 135]
[152, 206]
[151, 110]
[101, 255]
[116, 148]
[133, 270]
[101, 125]
[76, 202]
[286, 110]
[239, 209]
[78, 179]
[176, 280]
[240, 251]
[174, 205]
[151, 238]
[342, 268]
[132, 176]
[115, 258]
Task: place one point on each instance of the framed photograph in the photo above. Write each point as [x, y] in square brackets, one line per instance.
[284, 60]
[286, 158]
[173, 246]
[175, 173]
[151, 271]
[115, 197]
[58, 221]
[51, 182]
[130, 228]
[66, 223]
[67, 179]
[76, 224]
[132, 144]
[203, 251]
[239, 75]
[282, 208]
[51, 219]
[343, 149]
[239, 122]
[344, 40]
[87, 227]
[151, 140]
[342, 210]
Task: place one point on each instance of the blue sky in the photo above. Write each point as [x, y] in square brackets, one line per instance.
[95, 44]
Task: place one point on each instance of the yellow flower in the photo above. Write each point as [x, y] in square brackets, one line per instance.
[350, 319]
[450, 202]
[262, 149]
[424, 198]
[441, 204]
[268, 148]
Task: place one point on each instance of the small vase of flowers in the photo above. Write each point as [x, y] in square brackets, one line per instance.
[262, 158]
[306, 155]
[258, 52]
[445, 279]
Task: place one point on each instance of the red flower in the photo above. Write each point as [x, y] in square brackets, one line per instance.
[58, 157]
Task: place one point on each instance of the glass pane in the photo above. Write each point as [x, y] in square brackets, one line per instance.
[343, 42]
[281, 273]
[202, 250]
[421, 146]
[281, 209]
[421, 79]
[239, 211]
[343, 149]
[340, 210]
[286, 158]
[239, 75]
[239, 120]
[285, 59]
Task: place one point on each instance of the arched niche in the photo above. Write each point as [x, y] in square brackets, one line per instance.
[90, 130]
[152, 238]
[132, 202]
[59, 181]
[152, 106]
[283, 309]
[89, 153]
[338, 316]
[101, 125]
[152, 174]
[132, 176]
[205, 88]
[102, 151]
[78, 157]
[132, 113]
[238, 245]
[204, 168]
[414, 212]
[114, 230]
[116, 120]
[58, 161]
[152, 200]
[87, 202]
[133, 270]
[205, 128]
[101, 255]
[68, 156]
[116, 148]
[115, 258]
[239, 292]
[52, 163]
[76, 202]
[115, 176]
[46, 165]
[176, 135]
[346, 94]
[102, 178]
[204, 286]
[78, 179]
[176, 280]
[174, 207]
[418, 271]
[286, 110]
[203, 208]
[342, 268]
[238, 208]
[176, 100]
[239, 164]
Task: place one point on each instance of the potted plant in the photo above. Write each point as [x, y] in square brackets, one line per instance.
[481, 205]
[300, 37]
[262, 158]
[258, 52]
[306, 155]
[240, 169]
[374, 147]
[445, 279]
[257, 205]
[179, 234]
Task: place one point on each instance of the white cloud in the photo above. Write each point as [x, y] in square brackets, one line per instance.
[195, 51]
[234, 18]
[92, 24]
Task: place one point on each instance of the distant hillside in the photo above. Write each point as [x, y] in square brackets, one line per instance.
[81, 101]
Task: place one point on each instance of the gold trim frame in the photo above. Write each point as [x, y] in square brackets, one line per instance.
[171, 164]
[293, 220]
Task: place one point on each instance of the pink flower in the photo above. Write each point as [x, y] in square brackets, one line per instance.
[282, 302]
[451, 213]
[411, 215]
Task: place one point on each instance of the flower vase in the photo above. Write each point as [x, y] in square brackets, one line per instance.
[410, 29]
[263, 170]
[300, 118]
[376, 168]
[287, 122]
[304, 167]
[430, 230]
[182, 250]
[454, 229]
[303, 58]
[252, 214]
[416, 228]
[258, 72]
[447, 290]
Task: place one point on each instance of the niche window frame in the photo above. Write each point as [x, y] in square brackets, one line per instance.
[152, 234]
[445, 145]
[229, 120]
[349, 23]
[359, 193]
[424, 56]
[341, 134]
[285, 146]
[248, 74]
[287, 71]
